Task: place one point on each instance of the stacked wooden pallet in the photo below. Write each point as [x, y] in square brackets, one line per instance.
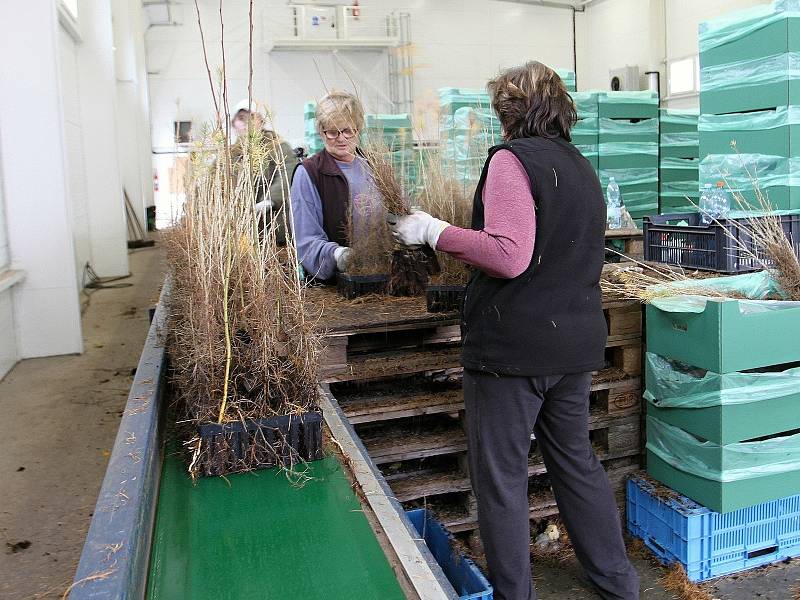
[394, 369]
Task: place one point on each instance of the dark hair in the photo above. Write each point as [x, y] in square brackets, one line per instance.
[531, 100]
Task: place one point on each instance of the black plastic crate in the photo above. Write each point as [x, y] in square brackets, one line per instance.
[444, 298]
[283, 440]
[353, 286]
[715, 247]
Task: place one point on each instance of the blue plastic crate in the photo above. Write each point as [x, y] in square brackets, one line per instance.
[710, 544]
[461, 572]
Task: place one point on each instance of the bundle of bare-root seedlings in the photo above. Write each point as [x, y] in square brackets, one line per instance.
[242, 349]
[371, 243]
[446, 198]
[410, 268]
[762, 239]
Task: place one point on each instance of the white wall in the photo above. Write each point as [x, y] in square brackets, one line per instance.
[458, 43]
[97, 86]
[73, 147]
[8, 336]
[133, 106]
[617, 33]
[46, 312]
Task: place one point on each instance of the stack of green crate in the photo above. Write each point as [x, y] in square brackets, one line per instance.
[467, 129]
[586, 130]
[312, 138]
[628, 148]
[451, 99]
[723, 390]
[397, 134]
[568, 77]
[749, 94]
[680, 151]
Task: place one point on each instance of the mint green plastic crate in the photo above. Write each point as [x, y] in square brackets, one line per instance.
[680, 145]
[579, 138]
[759, 37]
[677, 203]
[724, 497]
[628, 105]
[586, 104]
[630, 155]
[679, 169]
[750, 97]
[723, 338]
[628, 130]
[723, 409]
[775, 132]
[677, 121]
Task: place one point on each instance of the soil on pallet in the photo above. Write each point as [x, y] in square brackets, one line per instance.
[340, 314]
[377, 365]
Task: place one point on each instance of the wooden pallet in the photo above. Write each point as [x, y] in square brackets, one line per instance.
[633, 239]
[612, 393]
[612, 439]
[376, 337]
[458, 511]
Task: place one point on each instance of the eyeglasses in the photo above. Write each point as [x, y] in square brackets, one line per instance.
[332, 134]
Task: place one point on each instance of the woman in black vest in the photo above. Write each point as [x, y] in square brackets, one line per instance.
[533, 331]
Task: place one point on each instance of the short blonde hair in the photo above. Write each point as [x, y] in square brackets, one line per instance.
[339, 110]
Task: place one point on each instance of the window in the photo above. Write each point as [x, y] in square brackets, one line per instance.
[682, 76]
[183, 132]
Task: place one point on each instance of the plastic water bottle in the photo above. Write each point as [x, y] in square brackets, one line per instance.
[706, 204]
[723, 204]
[613, 205]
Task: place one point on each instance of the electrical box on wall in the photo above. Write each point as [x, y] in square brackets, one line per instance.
[317, 22]
[625, 79]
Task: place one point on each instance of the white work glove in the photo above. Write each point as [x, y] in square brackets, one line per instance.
[417, 229]
[342, 255]
[263, 206]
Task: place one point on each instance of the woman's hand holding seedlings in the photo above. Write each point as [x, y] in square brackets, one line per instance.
[417, 229]
[342, 257]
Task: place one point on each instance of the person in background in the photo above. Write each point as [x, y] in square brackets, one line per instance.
[271, 182]
[326, 184]
[533, 331]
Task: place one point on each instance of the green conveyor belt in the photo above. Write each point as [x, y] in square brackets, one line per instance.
[257, 536]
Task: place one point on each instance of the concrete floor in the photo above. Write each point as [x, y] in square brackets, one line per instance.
[60, 418]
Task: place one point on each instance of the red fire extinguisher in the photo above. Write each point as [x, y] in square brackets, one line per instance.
[356, 9]
[155, 180]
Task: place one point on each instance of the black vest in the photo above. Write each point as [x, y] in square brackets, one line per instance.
[549, 320]
[334, 191]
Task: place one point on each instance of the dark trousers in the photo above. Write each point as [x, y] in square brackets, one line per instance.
[501, 413]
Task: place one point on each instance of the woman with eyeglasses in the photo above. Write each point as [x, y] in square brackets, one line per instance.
[325, 185]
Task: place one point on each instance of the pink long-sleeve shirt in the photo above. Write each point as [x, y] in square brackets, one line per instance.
[504, 247]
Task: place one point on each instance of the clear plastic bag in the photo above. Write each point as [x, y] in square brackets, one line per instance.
[672, 384]
[731, 462]
[620, 148]
[625, 127]
[679, 117]
[641, 97]
[752, 121]
[752, 72]
[741, 172]
[736, 25]
[629, 176]
[689, 138]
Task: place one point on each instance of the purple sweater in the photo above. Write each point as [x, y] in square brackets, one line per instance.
[504, 247]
